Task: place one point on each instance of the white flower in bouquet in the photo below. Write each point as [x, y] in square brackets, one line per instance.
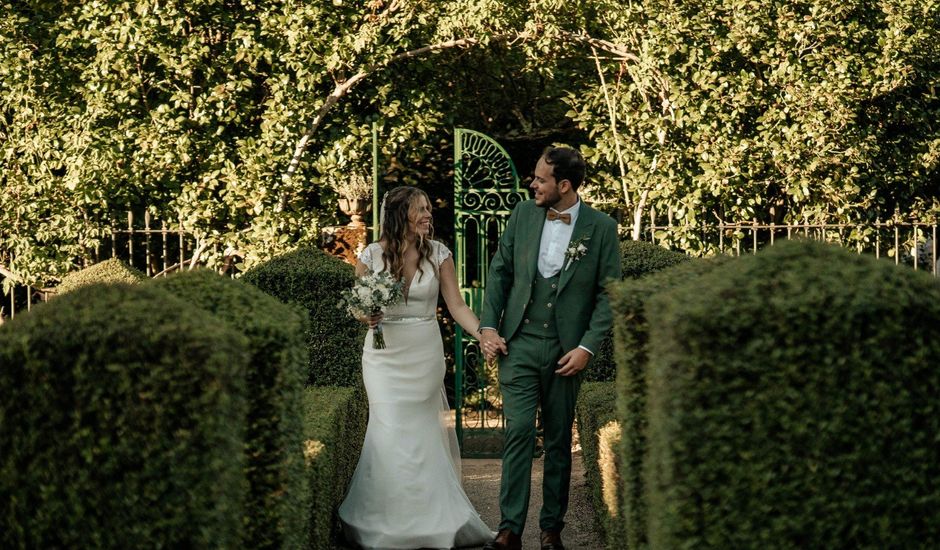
[372, 293]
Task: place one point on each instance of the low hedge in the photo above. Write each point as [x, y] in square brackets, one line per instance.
[121, 409]
[640, 258]
[274, 512]
[313, 279]
[631, 335]
[637, 259]
[793, 403]
[599, 433]
[334, 428]
[108, 271]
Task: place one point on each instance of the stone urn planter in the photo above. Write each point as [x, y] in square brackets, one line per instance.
[356, 208]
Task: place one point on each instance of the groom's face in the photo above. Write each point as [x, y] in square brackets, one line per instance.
[544, 185]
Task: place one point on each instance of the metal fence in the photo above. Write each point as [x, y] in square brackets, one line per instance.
[912, 244]
[145, 243]
[149, 245]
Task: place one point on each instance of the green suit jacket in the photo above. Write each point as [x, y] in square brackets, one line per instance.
[582, 308]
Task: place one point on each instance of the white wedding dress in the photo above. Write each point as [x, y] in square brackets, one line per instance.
[406, 491]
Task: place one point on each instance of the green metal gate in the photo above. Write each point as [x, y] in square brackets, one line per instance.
[486, 187]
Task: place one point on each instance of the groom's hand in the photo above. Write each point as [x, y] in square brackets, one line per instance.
[573, 362]
[492, 344]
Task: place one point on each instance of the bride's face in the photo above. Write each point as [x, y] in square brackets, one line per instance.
[419, 217]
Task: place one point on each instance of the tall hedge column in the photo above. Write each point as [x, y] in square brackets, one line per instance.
[122, 412]
[793, 403]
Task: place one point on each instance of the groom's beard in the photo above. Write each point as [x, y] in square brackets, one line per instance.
[549, 200]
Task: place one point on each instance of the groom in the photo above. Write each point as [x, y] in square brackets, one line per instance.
[546, 312]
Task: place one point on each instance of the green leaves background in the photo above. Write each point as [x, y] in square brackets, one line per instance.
[716, 110]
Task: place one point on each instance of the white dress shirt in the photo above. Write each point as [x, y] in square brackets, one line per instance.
[555, 237]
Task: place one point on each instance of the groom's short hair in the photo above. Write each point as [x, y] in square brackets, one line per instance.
[566, 163]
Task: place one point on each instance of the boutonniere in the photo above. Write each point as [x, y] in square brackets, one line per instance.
[576, 250]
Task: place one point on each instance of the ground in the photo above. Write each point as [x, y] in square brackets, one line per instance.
[481, 482]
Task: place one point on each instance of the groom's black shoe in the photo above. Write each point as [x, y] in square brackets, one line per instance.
[505, 540]
[551, 540]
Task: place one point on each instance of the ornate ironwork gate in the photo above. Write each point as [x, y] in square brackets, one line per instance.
[486, 187]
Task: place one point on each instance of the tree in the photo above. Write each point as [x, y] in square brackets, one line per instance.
[793, 111]
[230, 119]
[191, 109]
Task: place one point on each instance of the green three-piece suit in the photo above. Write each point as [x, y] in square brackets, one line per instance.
[541, 320]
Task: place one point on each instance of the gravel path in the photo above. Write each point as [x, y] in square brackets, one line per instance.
[481, 482]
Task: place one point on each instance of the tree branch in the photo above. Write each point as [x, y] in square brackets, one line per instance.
[638, 215]
[600, 44]
[343, 88]
[5, 271]
[8, 274]
[611, 110]
[197, 254]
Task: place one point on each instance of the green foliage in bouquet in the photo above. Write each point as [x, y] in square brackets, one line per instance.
[314, 281]
[793, 403]
[108, 271]
[370, 295]
[123, 420]
[278, 361]
[637, 259]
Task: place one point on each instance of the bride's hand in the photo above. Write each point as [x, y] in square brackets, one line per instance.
[372, 320]
[492, 344]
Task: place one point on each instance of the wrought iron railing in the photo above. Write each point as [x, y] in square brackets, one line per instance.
[910, 243]
[144, 242]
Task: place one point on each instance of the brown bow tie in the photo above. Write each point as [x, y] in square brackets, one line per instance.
[556, 215]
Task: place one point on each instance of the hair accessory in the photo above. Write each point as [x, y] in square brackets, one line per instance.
[382, 211]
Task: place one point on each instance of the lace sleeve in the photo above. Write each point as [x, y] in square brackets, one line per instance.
[366, 256]
[442, 252]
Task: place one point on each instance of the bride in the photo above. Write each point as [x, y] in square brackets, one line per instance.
[406, 491]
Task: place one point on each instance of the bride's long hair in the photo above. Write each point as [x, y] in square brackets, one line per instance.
[396, 206]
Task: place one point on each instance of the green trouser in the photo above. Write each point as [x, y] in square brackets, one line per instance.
[527, 378]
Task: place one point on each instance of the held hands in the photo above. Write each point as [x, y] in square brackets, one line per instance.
[570, 363]
[492, 344]
[573, 362]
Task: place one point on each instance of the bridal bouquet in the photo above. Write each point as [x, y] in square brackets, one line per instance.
[369, 296]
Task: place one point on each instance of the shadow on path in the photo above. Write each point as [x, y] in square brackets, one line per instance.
[481, 482]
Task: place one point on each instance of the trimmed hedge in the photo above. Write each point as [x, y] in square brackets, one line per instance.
[640, 258]
[122, 424]
[637, 258]
[313, 279]
[599, 433]
[793, 403]
[108, 271]
[274, 512]
[334, 428]
[631, 335]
